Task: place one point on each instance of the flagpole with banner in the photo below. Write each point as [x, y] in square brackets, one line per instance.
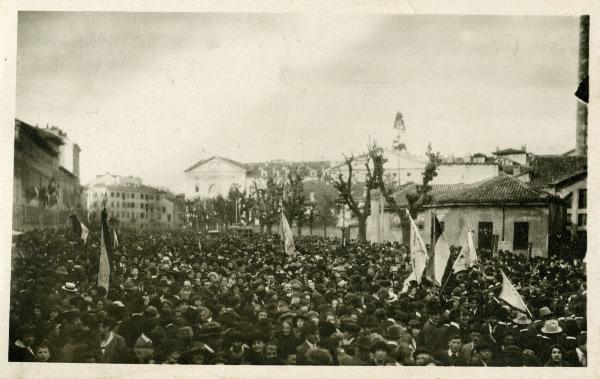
[418, 251]
[105, 246]
[510, 295]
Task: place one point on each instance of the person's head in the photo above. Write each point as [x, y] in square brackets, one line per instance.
[42, 353]
[311, 332]
[28, 335]
[493, 319]
[271, 350]
[286, 328]
[455, 343]
[556, 353]
[262, 315]
[135, 272]
[485, 352]
[380, 351]
[258, 343]
[423, 357]
[318, 357]
[105, 325]
[508, 340]
[475, 336]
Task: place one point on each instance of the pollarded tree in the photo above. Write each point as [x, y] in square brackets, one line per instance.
[361, 208]
[416, 200]
[294, 200]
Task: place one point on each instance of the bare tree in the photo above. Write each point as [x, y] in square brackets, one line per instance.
[344, 187]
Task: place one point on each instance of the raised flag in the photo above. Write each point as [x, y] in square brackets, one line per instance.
[105, 247]
[467, 257]
[418, 251]
[288, 239]
[510, 295]
[80, 231]
[436, 266]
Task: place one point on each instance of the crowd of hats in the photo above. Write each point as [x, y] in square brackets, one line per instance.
[184, 297]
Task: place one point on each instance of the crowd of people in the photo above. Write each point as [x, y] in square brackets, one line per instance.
[182, 297]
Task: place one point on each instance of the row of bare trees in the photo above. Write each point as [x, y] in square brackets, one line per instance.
[263, 203]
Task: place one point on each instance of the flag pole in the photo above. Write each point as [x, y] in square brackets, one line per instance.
[526, 307]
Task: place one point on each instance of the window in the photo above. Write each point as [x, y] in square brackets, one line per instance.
[112, 205]
[141, 215]
[582, 219]
[582, 198]
[169, 218]
[485, 235]
[569, 200]
[112, 194]
[164, 209]
[521, 236]
[408, 174]
[197, 189]
[395, 174]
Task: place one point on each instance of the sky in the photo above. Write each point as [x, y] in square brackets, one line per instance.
[150, 94]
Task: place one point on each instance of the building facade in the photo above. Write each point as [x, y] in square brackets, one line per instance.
[132, 204]
[214, 176]
[46, 187]
[400, 167]
[467, 173]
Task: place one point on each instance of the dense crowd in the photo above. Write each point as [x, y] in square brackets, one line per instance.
[189, 298]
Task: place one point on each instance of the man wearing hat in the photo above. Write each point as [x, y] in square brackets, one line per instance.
[310, 333]
[21, 350]
[549, 335]
[380, 351]
[113, 348]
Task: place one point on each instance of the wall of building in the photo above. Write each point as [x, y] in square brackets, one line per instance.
[576, 215]
[214, 178]
[464, 173]
[459, 220]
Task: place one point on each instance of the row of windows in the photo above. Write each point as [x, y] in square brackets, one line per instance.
[581, 199]
[132, 195]
[133, 215]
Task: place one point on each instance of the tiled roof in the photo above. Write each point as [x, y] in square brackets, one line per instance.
[550, 169]
[509, 151]
[497, 190]
[200, 163]
[436, 190]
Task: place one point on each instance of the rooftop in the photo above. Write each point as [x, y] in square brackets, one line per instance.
[504, 189]
[548, 170]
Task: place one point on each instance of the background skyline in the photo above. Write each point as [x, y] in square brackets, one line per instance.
[149, 94]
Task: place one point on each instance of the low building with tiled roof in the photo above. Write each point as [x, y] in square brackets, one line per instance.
[504, 211]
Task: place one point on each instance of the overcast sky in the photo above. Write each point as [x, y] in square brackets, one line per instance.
[150, 94]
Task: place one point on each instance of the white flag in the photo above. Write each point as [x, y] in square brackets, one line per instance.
[418, 251]
[511, 296]
[473, 259]
[467, 257]
[84, 233]
[288, 239]
[442, 255]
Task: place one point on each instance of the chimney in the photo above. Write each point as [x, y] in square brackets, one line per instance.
[582, 112]
[524, 148]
